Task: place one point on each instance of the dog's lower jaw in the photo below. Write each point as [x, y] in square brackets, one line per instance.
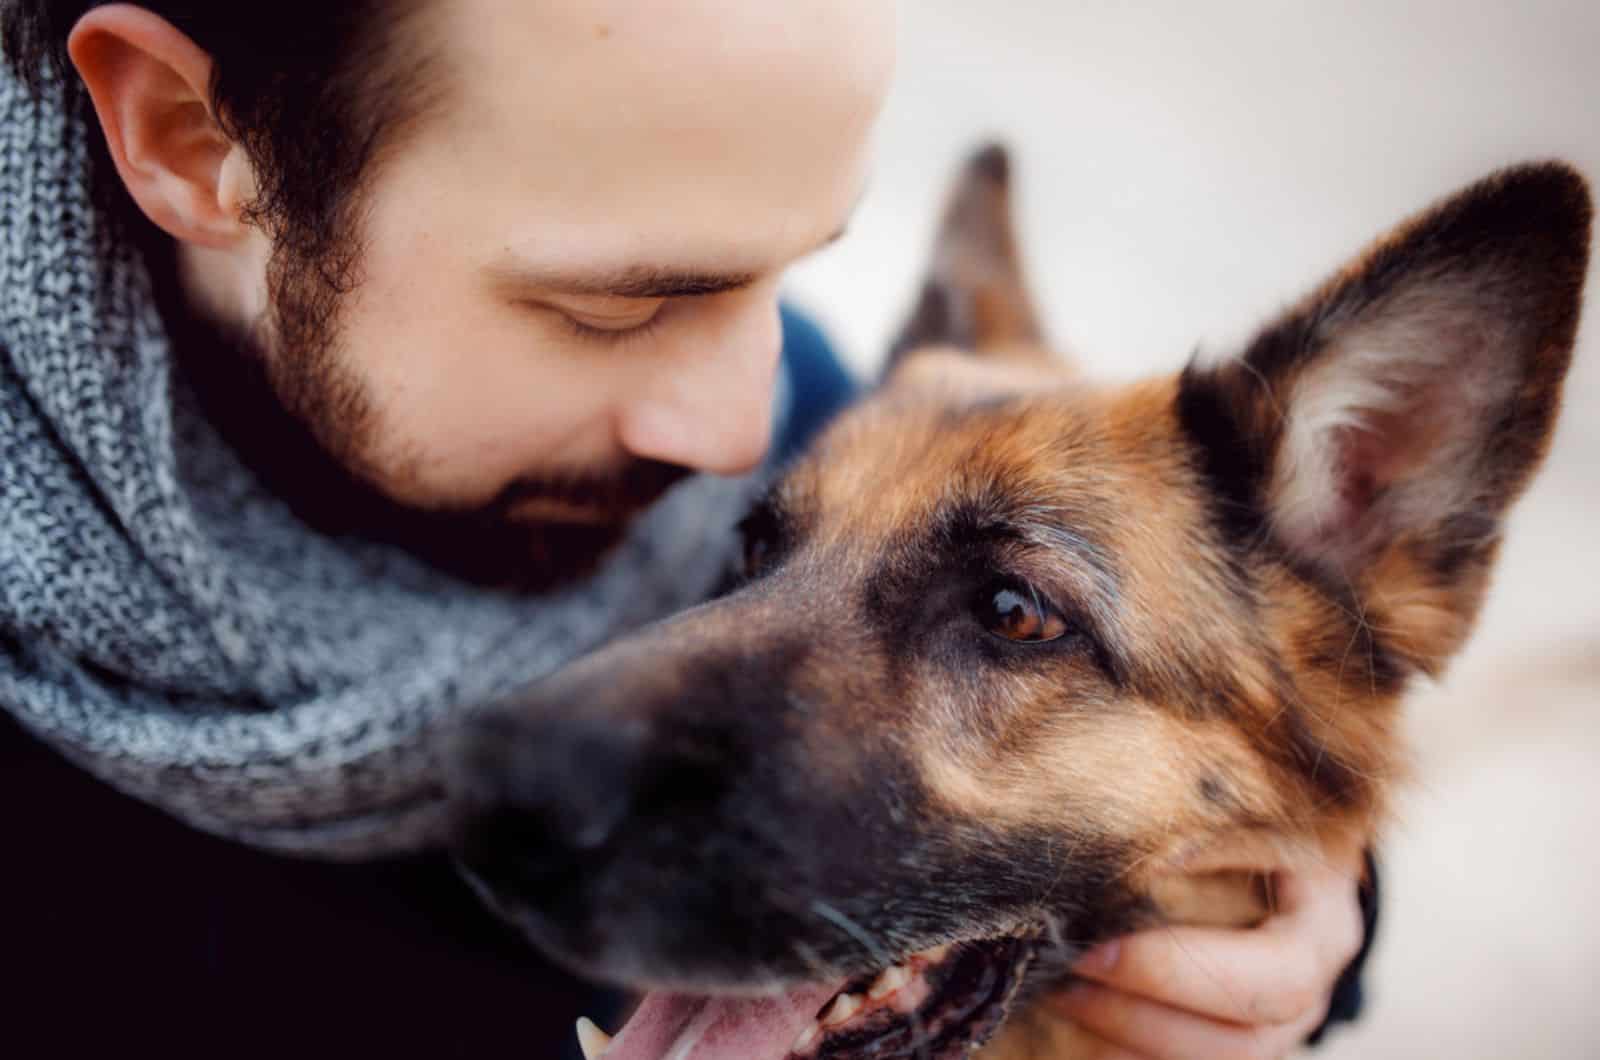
[952, 999]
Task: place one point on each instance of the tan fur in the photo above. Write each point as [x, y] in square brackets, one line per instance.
[1292, 666]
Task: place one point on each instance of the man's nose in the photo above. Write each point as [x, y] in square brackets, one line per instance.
[709, 405]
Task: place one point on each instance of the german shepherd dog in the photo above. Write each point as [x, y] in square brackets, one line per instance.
[1010, 641]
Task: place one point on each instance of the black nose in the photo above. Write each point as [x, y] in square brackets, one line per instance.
[574, 775]
[540, 799]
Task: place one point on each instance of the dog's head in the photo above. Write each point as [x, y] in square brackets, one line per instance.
[1011, 641]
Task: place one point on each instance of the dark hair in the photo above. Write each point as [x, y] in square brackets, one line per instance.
[313, 90]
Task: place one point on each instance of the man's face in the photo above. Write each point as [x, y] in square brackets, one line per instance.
[569, 271]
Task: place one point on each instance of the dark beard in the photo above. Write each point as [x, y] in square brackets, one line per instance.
[303, 431]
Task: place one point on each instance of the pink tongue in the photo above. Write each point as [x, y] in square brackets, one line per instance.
[684, 1027]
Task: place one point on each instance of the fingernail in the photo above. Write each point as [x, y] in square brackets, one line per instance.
[1099, 960]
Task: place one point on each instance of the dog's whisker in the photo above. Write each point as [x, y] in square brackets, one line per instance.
[839, 920]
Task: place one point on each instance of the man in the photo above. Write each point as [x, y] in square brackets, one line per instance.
[349, 352]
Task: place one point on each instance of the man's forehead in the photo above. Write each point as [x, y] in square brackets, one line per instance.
[684, 65]
[692, 140]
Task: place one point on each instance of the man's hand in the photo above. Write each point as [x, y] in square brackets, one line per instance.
[1210, 994]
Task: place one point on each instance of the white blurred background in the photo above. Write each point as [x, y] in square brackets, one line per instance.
[1187, 168]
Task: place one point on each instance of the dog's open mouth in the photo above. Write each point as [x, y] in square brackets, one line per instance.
[936, 1005]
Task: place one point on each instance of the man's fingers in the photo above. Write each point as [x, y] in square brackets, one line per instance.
[1250, 977]
[1241, 977]
[1273, 974]
[1151, 1031]
[1180, 993]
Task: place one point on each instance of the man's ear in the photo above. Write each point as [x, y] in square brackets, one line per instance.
[1378, 432]
[974, 296]
[151, 89]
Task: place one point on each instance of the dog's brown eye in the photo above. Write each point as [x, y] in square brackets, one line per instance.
[1017, 612]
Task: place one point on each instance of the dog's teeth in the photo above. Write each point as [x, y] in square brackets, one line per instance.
[890, 981]
[938, 953]
[846, 1006]
[591, 1039]
[807, 1036]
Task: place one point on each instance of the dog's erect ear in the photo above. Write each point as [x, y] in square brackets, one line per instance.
[974, 296]
[1378, 432]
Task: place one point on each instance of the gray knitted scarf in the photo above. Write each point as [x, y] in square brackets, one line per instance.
[170, 626]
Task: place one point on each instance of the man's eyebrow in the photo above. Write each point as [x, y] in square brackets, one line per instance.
[632, 281]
